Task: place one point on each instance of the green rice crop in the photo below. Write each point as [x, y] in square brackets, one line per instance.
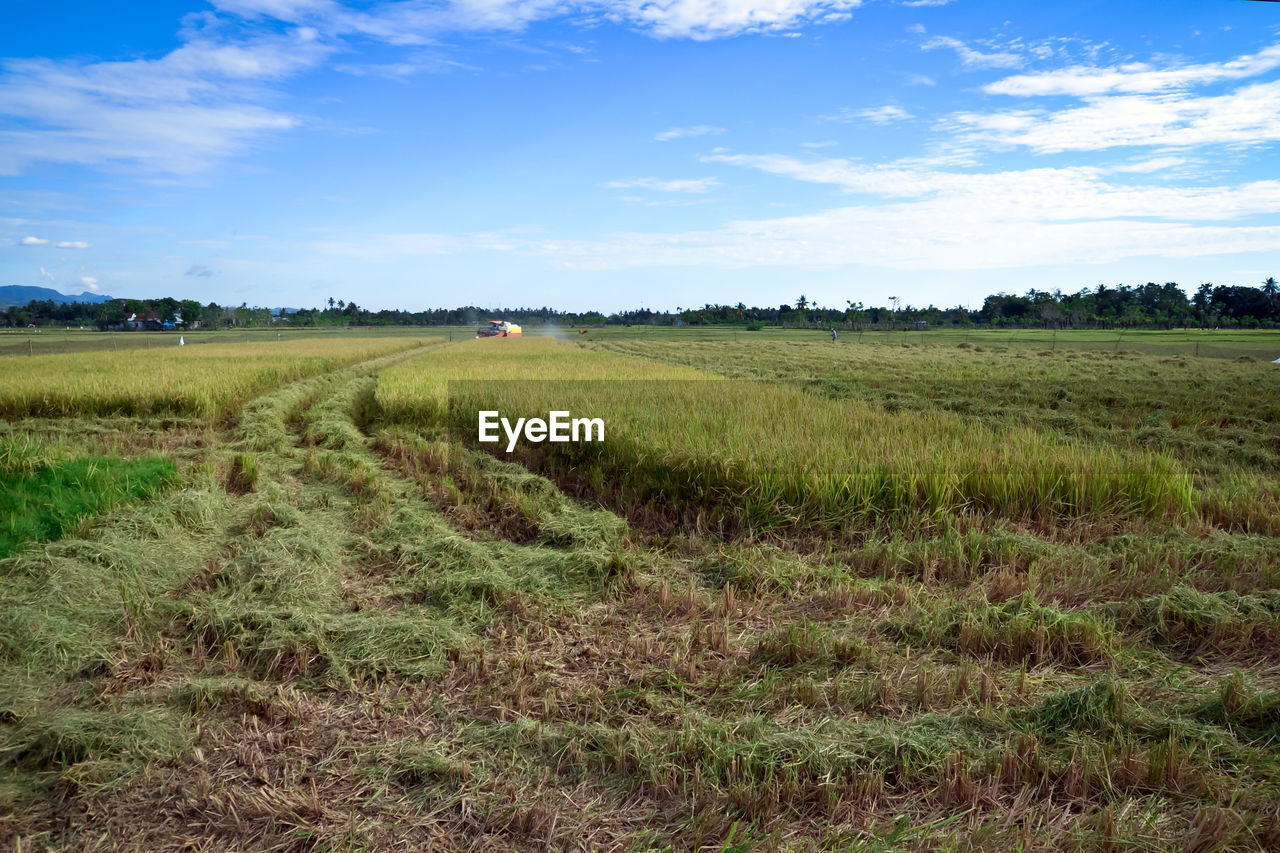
[766, 457]
[1211, 414]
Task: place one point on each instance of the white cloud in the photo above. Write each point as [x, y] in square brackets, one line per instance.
[45, 274]
[706, 19]
[1077, 192]
[1248, 116]
[972, 58]
[947, 221]
[1134, 78]
[1132, 104]
[203, 102]
[61, 244]
[1153, 164]
[90, 282]
[884, 115]
[420, 62]
[689, 185]
[409, 22]
[177, 114]
[284, 10]
[686, 132]
[906, 237]
[876, 115]
[896, 236]
[923, 219]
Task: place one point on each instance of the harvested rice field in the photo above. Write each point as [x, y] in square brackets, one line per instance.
[802, 596]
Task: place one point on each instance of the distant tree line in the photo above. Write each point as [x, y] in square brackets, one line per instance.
[1155, 306]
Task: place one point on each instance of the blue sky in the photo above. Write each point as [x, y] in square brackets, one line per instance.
[595, 153]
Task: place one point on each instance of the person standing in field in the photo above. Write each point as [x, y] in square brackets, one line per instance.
[833, 334]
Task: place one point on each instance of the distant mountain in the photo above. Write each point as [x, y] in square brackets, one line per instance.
[19, 294]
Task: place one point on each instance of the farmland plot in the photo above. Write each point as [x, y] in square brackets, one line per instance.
[781, 457]
[348, 630]
[208, 381]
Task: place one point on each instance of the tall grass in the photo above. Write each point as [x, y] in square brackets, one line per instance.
[766, 457]
[207, 381]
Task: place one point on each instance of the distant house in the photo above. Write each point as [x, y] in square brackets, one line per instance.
[148, 322]
[152, 322]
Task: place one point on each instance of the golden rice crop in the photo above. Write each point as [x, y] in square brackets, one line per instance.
[770, 456]
[416, 391]
[208, 381]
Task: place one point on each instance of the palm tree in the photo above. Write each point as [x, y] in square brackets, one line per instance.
[330, 303]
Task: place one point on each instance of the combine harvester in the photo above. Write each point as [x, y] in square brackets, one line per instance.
[499, 329]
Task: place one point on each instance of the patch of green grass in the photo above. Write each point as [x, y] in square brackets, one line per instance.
[46, 502]
[1189, 620]
[70, 736]
[1097, 708]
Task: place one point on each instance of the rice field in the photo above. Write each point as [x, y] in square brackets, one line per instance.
[1208, 412]
[805, 597]
[418, 391]
[206, 381]
[770, 457]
